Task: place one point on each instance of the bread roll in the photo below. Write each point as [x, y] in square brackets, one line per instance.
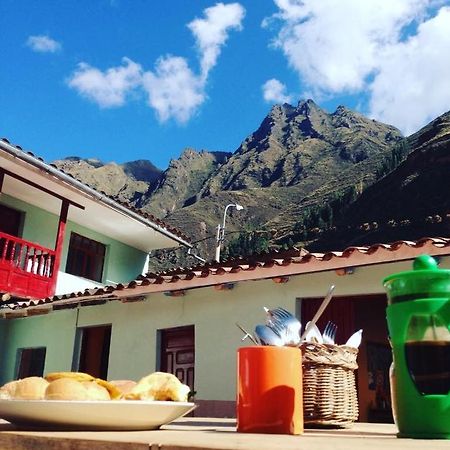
[114, 392]
[124, 386]
[30, 388]
[66, 389]
[7, 390]
[95, 391]
[159, 386]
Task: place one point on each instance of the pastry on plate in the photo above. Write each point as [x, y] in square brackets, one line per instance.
[159, 386]
[124, 386]
[80, 386]
[78, 376]
[71, 389]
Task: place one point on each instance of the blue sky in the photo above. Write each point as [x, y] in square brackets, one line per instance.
[121, 80]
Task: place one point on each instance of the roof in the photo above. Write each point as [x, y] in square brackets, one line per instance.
[276, 266]
[16, 153]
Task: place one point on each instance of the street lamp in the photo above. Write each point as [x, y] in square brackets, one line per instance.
[221, 228]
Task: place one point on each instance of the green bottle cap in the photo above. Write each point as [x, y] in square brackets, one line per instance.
[425, 281]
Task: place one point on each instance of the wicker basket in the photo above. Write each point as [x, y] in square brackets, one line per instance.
[329, 389]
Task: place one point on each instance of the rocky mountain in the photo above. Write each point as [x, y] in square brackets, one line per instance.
[409, 202]
[127, 182]
[302, 169]
[302, 146]
[145, 186]
[298, 158]
[180, 184]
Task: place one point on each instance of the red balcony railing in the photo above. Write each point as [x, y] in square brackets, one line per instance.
[26, 268]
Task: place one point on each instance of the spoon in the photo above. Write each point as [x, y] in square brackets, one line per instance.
[313, 334]
[267, 336]
[319, 312]
[355, 339]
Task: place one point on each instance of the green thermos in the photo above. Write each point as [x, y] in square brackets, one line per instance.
[418, 316]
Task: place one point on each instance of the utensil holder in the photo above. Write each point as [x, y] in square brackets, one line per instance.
[329, 389]
[269, 390]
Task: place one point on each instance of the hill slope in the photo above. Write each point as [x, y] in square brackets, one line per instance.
[410, 202]
[300, 160]
[299, 156]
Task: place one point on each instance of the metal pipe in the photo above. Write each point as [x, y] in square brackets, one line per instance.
[15, 152]
[221, 229]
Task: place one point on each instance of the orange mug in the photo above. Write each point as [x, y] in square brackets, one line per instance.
[269, 391]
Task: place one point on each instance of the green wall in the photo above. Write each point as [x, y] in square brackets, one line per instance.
[122, 264]
[56, 332]
[3, 331]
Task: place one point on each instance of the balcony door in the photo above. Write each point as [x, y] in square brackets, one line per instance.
[10, 223]
[10, 220]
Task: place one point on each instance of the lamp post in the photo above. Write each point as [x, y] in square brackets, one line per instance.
[221, 229]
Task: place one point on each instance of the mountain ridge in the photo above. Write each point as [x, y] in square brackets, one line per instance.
[302, 164]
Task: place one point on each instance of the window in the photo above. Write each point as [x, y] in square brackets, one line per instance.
[85, 257]
[31, 362]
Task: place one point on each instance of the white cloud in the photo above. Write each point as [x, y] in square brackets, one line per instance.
[43, 44]
[108, 89]
[275, 92]
[211, 33]
[392, 50]
[173, 91]
[412, 86]
[335, 45]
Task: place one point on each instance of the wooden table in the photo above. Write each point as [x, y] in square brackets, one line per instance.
[198, 433]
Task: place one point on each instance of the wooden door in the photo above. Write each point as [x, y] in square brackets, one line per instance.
[178, 353]
[94, 351]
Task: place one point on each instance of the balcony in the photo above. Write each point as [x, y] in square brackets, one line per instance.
[27, 270]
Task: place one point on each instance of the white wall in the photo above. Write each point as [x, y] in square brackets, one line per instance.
[133, 351]
[67, 283]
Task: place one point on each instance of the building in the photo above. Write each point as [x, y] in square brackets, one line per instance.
[58, 235]
[184, 321]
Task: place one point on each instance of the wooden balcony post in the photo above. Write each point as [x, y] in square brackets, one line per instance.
[60, 239]
[2, 177]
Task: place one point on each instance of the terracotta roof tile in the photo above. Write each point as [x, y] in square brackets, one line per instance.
[213, 273]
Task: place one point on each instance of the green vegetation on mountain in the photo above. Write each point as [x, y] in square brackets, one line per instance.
[409, 203]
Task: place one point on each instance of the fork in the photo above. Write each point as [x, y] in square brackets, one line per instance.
[329, 333]
[279, 313]
[286, 325]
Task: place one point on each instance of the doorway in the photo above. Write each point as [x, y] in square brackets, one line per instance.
[178, 353]
[10, 220]
[93, 345]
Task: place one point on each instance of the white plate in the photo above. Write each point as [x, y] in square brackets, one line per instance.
[94, 415]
